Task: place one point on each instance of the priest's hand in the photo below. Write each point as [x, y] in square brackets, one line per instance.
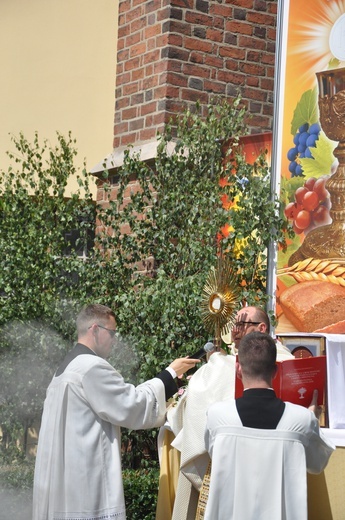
[314, 407]
[182, 365]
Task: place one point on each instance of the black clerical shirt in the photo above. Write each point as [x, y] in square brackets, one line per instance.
[260, 408]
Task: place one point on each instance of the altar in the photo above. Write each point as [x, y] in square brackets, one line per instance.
[326, 492]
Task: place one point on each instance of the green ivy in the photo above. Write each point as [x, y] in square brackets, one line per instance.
[174, 216]
[141, 489]
[38, 298]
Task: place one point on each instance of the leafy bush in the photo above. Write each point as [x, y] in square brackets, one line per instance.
[18, 476]
[172, 211]
[159, 232]
[16, 482]
[38, 298]
[141, 489]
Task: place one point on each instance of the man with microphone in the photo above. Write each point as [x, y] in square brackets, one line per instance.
[78, 463]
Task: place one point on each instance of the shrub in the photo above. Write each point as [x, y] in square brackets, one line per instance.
[16, 482]
[141, 490]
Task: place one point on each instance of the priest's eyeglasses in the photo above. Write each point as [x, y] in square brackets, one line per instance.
[112, 332]
[242, 324]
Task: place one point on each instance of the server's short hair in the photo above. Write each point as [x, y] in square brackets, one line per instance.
[257, 355]
[92, 313]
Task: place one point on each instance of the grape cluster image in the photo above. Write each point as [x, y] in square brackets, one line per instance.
[304, 140]
[311, 206]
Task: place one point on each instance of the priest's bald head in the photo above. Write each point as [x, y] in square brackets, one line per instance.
[249, 319]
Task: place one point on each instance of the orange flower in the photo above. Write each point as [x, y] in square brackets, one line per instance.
[226, 202]
[223, 181]
[225, 230]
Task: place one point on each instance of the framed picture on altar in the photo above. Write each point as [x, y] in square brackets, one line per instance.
[307, 346]
[304, 346]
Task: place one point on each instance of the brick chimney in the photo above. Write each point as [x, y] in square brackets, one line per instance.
[174, 52]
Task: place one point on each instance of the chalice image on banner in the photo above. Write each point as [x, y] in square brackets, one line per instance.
[220, 299]
[328, 241]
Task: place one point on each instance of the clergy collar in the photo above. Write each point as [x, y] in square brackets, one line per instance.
[83, 349]
[259, 388]
[78, 350]
[260, 392]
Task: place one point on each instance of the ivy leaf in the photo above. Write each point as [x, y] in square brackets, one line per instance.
[306, 110]
[294, 242]
[323, 158]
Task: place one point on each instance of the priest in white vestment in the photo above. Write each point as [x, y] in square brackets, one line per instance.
[78, 472]
[261, 447]
[214, 381]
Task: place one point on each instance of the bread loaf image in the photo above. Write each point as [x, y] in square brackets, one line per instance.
[334, 328]
[314, 305]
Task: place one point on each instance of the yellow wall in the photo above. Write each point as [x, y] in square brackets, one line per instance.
[57, 62]
[326, 491]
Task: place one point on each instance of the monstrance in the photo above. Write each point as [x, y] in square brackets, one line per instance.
[220, 299]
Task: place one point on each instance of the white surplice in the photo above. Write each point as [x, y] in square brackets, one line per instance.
[212, 382]
[78, 465]
[261, 474]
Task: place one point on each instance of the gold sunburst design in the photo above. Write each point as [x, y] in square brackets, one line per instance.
[220, 299]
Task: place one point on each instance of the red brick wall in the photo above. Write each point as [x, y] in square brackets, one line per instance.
[173, 52]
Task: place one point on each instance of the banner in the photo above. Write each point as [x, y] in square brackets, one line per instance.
[308, 165]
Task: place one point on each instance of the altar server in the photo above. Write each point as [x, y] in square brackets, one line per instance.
[78, 465]
[261, 447]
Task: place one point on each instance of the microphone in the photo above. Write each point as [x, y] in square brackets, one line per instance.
[209, 347]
